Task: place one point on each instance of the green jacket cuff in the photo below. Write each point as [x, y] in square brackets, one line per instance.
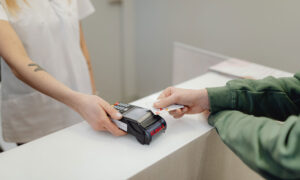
[212, 119]
[220, 98]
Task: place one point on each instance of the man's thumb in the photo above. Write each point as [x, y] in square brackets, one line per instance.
[165, 102]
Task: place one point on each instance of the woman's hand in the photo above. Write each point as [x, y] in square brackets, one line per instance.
[95, 111]
[92, 108]
[195, 101]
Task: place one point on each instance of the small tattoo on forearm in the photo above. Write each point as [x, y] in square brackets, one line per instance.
[38, 67]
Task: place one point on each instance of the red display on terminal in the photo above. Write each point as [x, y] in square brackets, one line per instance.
[157, 130]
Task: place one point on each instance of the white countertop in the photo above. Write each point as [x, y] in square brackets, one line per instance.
[81, 153]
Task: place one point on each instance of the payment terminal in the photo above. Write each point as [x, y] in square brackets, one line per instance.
[139, 122]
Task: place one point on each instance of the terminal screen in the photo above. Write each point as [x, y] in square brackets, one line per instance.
[138, 114]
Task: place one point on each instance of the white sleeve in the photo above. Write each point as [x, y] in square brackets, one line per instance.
[85, 8]
[3, 15]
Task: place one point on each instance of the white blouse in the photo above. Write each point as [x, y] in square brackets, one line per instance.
[49, 30]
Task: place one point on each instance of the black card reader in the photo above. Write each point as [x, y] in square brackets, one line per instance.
[139, 122]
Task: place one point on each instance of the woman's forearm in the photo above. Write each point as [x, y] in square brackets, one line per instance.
[14, 54]
[36, 77]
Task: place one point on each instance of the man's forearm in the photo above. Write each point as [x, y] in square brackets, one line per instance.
[270, 97]
[270, 147]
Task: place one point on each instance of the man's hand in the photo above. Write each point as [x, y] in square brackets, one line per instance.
[195, 101]
[95, 110]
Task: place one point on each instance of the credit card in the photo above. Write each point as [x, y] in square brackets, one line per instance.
[166, 109]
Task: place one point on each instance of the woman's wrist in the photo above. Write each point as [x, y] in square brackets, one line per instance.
[73, 99]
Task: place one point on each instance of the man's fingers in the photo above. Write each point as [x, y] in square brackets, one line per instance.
[162, 95]
[178, 116]
[178, 112]
[167, 92]
[165, 102]
[172, 113]
[185, 109]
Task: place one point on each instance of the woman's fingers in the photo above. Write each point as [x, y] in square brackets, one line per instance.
[113, 129]
[112, 112]
[107, 123]
[98, 127]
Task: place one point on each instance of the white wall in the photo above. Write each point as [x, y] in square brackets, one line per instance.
[262, 31]
[103, 35]
[110, 35]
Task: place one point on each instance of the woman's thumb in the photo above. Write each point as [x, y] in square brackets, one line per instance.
[113, 113]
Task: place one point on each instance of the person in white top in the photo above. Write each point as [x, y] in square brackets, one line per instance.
[44, 57]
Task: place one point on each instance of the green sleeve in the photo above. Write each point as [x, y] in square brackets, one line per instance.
[271, 148]
[270, 97]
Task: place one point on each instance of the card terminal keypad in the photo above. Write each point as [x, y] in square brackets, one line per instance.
[122, 108]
